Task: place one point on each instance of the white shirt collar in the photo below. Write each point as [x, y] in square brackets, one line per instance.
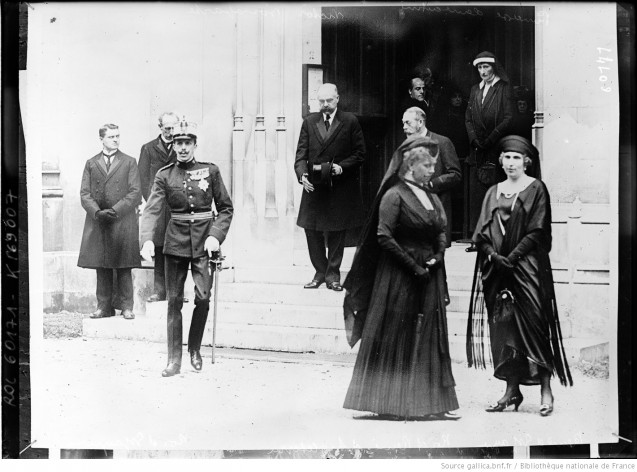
[331, 115]
[483, 83]
[106, 153]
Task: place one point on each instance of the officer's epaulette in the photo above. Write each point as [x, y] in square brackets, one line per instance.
[207, 163]
[167, 166]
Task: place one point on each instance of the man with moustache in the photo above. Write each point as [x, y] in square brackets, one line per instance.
[188, 189]
[153, 156]
[329, 154]
[447, 174]
[110, 194]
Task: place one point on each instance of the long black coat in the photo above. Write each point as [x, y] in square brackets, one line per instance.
[340, 206]
[489, 120]
[110, 245]
[152, 157]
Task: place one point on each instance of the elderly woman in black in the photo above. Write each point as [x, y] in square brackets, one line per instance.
[514, 280]
[396, 297]
[488, 117]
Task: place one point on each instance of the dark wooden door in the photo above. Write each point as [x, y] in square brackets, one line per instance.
[370, 52]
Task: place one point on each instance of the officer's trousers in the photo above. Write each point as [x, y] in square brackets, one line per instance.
[159, 271]
[176, 271]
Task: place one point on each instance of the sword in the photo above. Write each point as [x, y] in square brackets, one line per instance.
[215, 265]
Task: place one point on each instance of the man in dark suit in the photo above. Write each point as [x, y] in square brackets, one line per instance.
[447, 174]
[329, 154]
[110, 194]
[188, 189]
[153, 156]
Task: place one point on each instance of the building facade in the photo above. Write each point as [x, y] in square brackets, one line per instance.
[246, 74]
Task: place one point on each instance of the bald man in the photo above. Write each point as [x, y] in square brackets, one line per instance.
[329, 154]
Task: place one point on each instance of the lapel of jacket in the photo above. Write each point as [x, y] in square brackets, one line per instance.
[490, 98]
[159, 146]
[101, 165]
[319, 128]
[337, 124]
[478, 110]
[117, 159]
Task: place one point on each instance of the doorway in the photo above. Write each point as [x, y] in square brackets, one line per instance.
[371, 52]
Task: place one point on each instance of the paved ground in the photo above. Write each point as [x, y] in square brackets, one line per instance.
[110, 394]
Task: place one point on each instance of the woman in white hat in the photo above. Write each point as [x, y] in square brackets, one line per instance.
[488, 116]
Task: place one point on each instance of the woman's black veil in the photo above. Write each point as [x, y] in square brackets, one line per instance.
[360, 279]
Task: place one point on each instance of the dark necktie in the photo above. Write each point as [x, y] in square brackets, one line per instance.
[108, 162]
[327, 122]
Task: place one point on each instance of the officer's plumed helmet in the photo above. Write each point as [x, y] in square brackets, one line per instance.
[185, 130]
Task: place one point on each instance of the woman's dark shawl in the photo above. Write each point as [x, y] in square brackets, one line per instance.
[360, 279]
[534, 220]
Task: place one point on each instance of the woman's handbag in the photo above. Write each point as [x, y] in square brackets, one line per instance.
[504, 306]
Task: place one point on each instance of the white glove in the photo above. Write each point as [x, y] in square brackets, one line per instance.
[148, 251]
[211, 245]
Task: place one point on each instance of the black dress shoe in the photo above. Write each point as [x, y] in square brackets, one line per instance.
[195, 359]
[128, 314]
[336, 286]
[102, 314]
[171, 369]
[155, 298]
[313, 284]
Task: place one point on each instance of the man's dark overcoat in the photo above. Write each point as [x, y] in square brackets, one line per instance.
[338, 207]
[110, 245]
[152, 157]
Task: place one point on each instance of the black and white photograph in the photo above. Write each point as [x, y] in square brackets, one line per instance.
[322, 230]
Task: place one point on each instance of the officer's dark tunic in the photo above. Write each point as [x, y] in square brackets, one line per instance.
[189, 190]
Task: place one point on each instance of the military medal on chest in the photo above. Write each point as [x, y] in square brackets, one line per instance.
[200, 175]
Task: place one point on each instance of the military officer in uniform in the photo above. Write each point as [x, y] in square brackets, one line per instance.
[188, 188]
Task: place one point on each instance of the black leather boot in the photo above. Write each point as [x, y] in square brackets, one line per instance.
[195, 359]
[171, 369]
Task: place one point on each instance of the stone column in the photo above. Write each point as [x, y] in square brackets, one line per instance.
[259, 128]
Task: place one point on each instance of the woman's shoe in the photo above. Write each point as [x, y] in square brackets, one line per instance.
[515, 400]
[444, 416]
[546, 409]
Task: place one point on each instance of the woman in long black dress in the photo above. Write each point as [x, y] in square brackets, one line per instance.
[488, 117]
[396, 291]
[513, 278]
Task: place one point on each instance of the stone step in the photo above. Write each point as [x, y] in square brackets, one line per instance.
[295, 316]
[456, 258]
[277, 338]
[285, 294]
[236, 335]
[300, 275]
